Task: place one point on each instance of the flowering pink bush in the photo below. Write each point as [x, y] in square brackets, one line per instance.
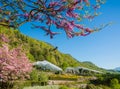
[13, 64]
[62, 14]
[3, 38]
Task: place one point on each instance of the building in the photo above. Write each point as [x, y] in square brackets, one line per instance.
[81, 71]
[47, 66]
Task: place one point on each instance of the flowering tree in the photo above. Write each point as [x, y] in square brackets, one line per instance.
[13, 64]
[62, 14]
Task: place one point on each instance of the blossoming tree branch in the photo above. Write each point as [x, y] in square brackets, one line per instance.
[62, 14]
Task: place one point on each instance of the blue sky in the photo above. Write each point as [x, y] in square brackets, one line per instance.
[102, 48]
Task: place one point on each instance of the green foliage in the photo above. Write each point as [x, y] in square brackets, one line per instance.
[15, 84]
[6, 85]
[108, 81]
[30, 56]
[34, 75]
[38, 78]
[43, 77]
[91, 86]
[92, 66]
[104, 87]
[114, 83]
[21, 84]
[65, 65]
[63, 87]
[38, 50]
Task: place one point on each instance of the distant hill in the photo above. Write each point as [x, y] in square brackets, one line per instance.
[38, 50]
[117, 69]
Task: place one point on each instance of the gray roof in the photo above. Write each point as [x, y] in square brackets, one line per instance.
[83, 68]
[89, 69]
[47, 65]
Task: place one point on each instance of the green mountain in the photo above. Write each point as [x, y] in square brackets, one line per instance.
[38, 50]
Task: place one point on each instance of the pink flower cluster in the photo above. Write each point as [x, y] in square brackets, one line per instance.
[63, 14]
[3, 38]
[13, 64]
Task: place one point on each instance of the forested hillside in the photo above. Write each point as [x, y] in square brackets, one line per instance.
[39, 50]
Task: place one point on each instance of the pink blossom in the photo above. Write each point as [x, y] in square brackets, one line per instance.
[4, 38]
[61, 8]
[52, 4]
[25, 15]
[79, 7]
[49, 21]
[66, 25]
[63, 0]
[59, 13]
[71, 14]
[48, 31]
[88, 30]
[77, 25]
[10, 67]
[13, 64]
[86, 1]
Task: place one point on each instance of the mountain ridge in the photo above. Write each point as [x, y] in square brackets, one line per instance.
[117, 69]
[38, 50]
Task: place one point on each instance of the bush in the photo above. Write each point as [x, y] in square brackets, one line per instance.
[43, 78]
[14, 64]
[63, 87]
[6, 85]
[91, 86]
[35, 83]
[114, 83]
[21, 84]
[34, 75]
[38, 78]
[104, 87]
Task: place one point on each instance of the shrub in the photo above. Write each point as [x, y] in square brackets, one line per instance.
[63, 87]
[91, 86]
[43, 78]
[21, 84]
[114, 83]
[14, 65]
[6, 85]
[34, 75]
[104, 87]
